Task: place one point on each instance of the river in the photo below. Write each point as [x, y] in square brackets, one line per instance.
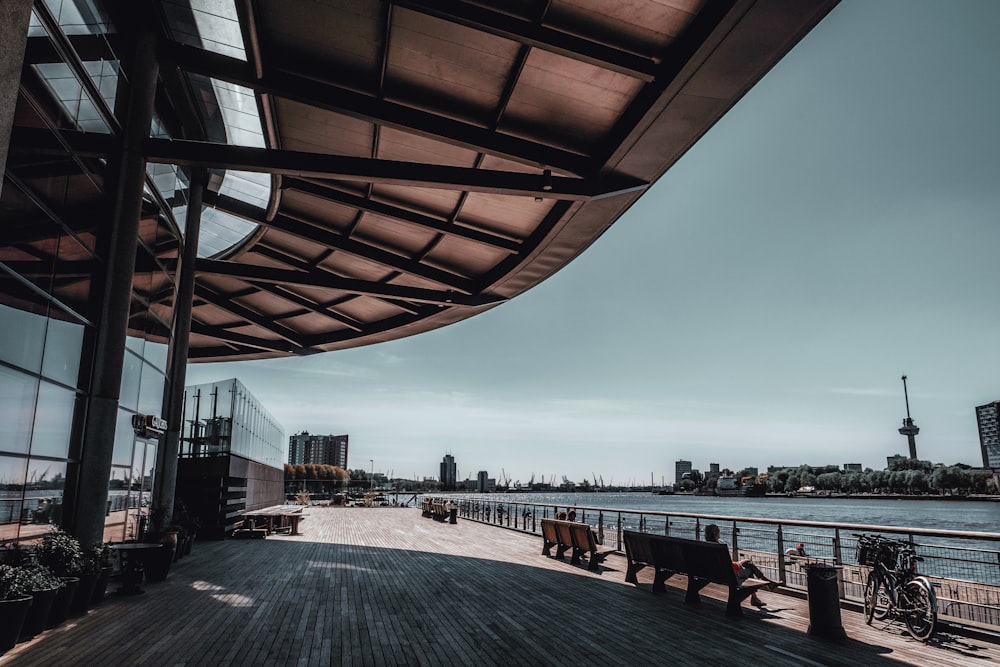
[961, 515]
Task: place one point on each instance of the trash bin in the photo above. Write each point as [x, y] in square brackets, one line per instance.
[453, 515]
[824, 601]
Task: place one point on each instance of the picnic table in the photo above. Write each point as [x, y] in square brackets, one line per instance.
[280, 518]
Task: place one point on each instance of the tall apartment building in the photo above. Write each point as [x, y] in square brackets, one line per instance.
[319, 449]
[988, 418]
[449, 473]
[680, 469]
[713, 467]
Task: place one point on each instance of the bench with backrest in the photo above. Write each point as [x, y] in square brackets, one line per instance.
[702, 562]
[577, 538]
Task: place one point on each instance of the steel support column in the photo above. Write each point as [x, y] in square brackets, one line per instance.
[128, 170]
[164, 486]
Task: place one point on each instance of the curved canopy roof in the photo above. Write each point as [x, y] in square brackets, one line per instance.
[379, 169]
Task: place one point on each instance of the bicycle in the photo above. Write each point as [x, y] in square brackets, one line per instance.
[894, 589]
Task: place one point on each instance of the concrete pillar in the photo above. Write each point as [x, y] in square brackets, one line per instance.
[126, 170]
[14, 17]
[164, 486]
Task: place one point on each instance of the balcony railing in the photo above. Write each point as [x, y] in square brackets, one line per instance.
[963, 567]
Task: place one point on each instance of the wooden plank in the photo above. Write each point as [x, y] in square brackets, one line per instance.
[383, 586]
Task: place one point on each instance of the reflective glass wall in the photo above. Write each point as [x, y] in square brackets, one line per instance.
[53, 225]
[225, 418]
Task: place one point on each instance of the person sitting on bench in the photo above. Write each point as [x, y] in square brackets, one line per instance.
[744, 568]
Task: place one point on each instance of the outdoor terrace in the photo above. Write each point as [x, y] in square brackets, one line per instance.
[385, 586]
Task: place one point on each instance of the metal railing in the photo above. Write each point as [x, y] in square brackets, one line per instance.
[963, 567]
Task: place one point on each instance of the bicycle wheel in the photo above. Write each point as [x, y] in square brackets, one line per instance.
[920, 609]
[876, 599]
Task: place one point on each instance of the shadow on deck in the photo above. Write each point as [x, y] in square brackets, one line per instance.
[384, 586]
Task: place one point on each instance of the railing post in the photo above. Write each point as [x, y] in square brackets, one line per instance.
[666, 525]
[781, 555]
[838, 561]
[736, 542]
[619, 536]
[600, 526]
[697, 528]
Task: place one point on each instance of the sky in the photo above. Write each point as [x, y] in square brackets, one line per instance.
[837, 229]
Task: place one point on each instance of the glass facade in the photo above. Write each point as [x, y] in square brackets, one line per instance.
[49, 304]
[222, 418]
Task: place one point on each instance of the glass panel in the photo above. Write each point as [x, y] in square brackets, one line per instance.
[209, 24]
[124, 437]
[151, 391]
[78, 17]
[137, 509]
[12, 475]
[17, 406]
[43, 493]
[53, 421]
[22, 335]
[63, 342]
[114, 520]
[72, 96]
[156, 354]
[131, 375]
[220, 231]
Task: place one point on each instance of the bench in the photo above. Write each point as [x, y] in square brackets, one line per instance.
[577, 538]
[702, 562]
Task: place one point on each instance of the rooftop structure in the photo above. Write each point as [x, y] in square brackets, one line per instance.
[187, 180]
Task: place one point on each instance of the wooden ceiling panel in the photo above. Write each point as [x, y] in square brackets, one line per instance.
[448, 62]
[399, 237]
[306, 128]
[368, 309]
[646, 28]
[516, 217]
[568, 103]
[343, 39]
[464, 257]
[397, 145]
[429, 201]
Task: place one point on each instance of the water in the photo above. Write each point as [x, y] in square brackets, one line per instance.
[960, 515]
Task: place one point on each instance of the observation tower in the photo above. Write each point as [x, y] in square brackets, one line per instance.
[909, 429]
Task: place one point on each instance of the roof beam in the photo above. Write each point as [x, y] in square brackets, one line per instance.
[325, 95]
[229, 305]
[319, 234]
[319, 165]
[532, 34]
[322, 307]
[321, 279]
[402, 214]
[368, 170]
[228, 336]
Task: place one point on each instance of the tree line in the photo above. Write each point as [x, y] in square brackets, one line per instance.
[904, 476]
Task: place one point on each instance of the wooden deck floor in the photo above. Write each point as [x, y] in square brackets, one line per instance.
[385, 586]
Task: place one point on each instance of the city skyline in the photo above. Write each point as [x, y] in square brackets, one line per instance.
[758, 306]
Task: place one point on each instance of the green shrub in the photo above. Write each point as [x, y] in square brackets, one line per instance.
[15, 582]
[60, 552]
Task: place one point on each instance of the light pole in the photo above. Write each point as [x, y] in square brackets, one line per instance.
[371, 480]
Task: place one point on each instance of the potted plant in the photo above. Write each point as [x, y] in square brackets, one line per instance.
[15, 600]
[100, 557]
[61, 554]
[43, 586]
[157, 562]
[94, 566]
